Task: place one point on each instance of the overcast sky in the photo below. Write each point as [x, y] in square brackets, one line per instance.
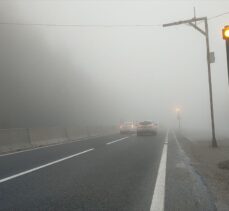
[68, 75]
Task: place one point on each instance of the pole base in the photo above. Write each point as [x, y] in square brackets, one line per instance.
[214, 143]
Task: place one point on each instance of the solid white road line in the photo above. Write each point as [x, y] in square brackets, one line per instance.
[43, 166]
[157, 203]
[117, 140]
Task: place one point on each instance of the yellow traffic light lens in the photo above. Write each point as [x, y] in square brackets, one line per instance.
[226, 33]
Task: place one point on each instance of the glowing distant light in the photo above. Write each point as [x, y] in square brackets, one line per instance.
[178, 109]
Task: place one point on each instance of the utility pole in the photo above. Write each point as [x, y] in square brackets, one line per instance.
[210, 59]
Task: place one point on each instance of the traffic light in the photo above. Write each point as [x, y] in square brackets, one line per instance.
[226, 38]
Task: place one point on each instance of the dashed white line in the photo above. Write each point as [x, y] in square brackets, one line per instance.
[117, 140]
[43, 166]
[177, 142]
[158, 199]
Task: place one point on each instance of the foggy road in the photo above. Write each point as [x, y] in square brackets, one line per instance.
[118, 172]
[82, 80]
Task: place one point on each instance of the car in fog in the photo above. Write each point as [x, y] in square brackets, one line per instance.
[127, 127]
[147, 128]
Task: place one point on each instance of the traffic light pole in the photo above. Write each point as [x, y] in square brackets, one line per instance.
[179, 120]
[226, 38]
[192, 22]
[227, 49]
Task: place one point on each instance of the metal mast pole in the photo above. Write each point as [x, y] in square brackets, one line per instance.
[192, 22]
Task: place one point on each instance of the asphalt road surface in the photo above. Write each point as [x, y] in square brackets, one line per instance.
[118, 172]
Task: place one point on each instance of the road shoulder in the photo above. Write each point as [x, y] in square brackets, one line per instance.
[204, 160]
[185, 189]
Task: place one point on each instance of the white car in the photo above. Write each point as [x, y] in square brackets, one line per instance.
[127, 127]
[146, 128]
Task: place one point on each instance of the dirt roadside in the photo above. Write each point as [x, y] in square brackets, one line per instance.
[205, 161]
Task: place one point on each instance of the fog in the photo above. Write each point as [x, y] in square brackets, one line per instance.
[58, 75]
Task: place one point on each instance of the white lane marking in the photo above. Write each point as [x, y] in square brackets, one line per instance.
[43, 166]
[157, 203]
[117, 140]
[177, 142]
[52, 145]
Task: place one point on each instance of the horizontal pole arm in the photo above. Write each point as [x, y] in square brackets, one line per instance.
[184, 22]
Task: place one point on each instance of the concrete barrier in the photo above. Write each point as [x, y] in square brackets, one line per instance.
[14, 139]
[22, 138]
[44, 136]
[74, 133]
[102, 130]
